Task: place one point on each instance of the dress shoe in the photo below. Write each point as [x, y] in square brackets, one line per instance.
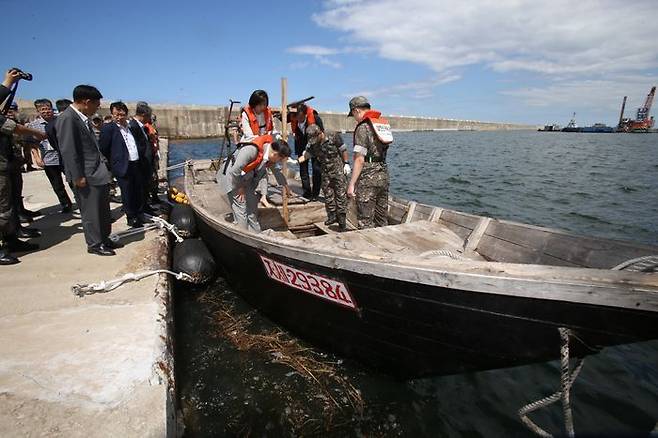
[145, 219]
[112, 245]
[66, 209]
[24, 219]
[135, 223]
[7, 259]
[27, 233]
[31, 213]
[20, 246]
[100, 250]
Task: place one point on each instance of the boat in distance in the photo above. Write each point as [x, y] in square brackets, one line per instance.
[435, 292]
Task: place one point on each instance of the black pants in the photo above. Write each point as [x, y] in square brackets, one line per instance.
[317, 177]
[54, 174]
[94, 203]
[7, 215]
[132, 190]
[17, 191]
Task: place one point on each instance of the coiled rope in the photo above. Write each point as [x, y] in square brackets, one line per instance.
[567, 379]
[81, 290]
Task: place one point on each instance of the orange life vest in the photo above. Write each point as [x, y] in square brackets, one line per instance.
[379, 124]
[259, 142]
[253, 121]
[310, 119]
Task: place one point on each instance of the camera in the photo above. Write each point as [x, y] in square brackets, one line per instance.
[23, 75]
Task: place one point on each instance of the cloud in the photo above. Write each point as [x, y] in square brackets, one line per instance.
[416, 89]
[324, 55]
[563, 37]
[602, 94]
[312, 50]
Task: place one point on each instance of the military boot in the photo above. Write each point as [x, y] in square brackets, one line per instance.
[331, 218]
[342, 223]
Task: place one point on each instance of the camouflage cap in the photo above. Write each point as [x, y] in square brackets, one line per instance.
[358, 102]
[313, 134]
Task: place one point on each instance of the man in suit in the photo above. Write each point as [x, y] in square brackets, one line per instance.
[126, 156]
[85, 167]
[143, 114]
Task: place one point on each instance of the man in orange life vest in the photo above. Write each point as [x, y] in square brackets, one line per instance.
[239, 178]
[370, 180]
[299, 121]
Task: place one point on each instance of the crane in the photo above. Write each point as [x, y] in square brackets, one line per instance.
[643, 122]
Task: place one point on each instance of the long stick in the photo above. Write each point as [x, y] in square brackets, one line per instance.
[284, 134]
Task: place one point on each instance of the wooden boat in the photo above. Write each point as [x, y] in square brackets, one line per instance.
[437, 291]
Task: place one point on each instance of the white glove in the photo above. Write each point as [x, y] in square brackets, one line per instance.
[347, 169]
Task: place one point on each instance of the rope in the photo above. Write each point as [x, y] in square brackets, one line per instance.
[158, 222]
[81, 290]
[442, 253]
[567, 379]
[163, 224]
[179, 165]
[640, 264]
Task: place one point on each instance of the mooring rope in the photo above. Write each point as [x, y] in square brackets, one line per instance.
[81, 290]
[158, 222]
[567, 379]
[179, 165]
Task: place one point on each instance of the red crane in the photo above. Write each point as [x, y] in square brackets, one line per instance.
[643, 122]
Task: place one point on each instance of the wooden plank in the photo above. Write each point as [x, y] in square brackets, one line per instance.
[465, 220]
[435, 216]
[422, 212]
[284, 134]
[410, 212]
[457, 229]
[474, 239]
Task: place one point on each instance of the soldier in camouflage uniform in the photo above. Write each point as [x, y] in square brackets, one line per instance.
[370, 180]
[329, 150]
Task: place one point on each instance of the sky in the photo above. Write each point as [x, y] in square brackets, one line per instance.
[492, 60]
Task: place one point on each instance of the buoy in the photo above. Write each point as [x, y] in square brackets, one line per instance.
[193, 258]
[182, 216]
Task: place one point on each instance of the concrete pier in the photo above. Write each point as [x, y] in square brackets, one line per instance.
[96, 366]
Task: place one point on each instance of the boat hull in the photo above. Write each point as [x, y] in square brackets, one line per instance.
[410, 329]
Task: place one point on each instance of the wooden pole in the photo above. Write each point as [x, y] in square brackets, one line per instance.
[284, 134]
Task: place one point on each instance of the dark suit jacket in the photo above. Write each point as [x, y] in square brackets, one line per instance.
[300, 137]
[143, 144]
[114, 148]
[79, 150]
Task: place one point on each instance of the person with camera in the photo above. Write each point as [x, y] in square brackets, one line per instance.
[9, 241]
[87, 168]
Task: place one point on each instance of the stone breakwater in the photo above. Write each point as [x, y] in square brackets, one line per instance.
[201, 121]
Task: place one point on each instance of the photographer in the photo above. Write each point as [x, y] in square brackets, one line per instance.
[8, 215]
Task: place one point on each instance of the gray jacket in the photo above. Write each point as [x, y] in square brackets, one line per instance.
[234, 177]
[79, 150]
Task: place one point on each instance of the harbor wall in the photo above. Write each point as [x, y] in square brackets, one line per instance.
[199, 121]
